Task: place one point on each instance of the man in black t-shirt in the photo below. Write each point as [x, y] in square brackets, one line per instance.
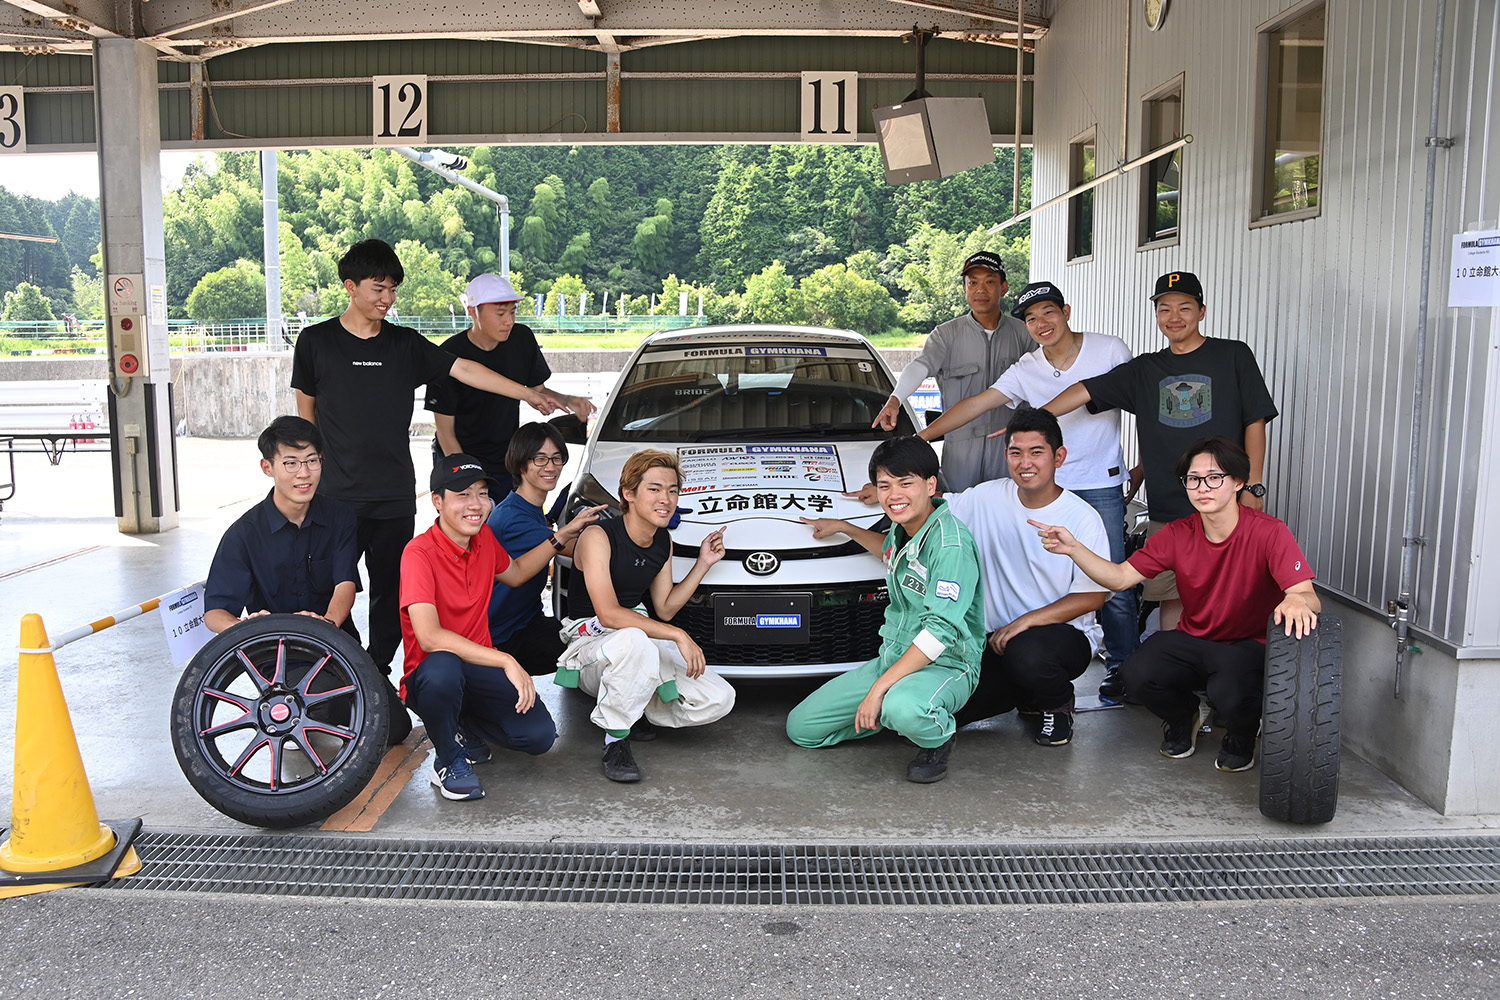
[355, 377]
[481, 423]
[635, 664]
[1195, 387]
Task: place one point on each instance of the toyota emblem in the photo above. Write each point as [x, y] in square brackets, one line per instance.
[762, 563]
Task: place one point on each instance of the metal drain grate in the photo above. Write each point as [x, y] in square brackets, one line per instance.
[806, 874]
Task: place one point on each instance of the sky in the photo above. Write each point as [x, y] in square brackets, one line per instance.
[53, 175]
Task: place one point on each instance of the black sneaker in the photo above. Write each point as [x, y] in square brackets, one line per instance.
[475, 750]
[1112, 688]
[1179, 737]
[931, 763]
[1056, 731]
[619, 762]
[642, 731]
[1237, 752]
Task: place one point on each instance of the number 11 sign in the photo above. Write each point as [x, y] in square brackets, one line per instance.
[830, 106]
[400, 110]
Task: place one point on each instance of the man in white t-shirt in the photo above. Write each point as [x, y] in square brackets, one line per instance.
[1095, 466]
[1041, 626]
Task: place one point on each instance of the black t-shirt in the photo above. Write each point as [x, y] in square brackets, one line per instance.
[631, 568]
[484, 421]
[364, 390]
[1179, 398]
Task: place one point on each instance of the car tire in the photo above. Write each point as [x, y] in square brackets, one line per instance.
[1299, 765]
[280, 720]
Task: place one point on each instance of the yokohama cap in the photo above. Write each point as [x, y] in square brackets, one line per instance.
[1037, 291]
[458, 472]
[986, 259]
[1185, 282]
[490, 288]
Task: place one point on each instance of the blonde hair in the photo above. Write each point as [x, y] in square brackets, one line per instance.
[642, 462]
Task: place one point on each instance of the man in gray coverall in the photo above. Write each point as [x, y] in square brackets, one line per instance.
[967, 355]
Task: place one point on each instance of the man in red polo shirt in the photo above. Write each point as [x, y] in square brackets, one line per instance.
[456, 681]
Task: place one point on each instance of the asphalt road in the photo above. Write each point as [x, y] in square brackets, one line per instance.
[84, 943]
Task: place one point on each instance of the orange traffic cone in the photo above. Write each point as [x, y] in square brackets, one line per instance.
[56, 838]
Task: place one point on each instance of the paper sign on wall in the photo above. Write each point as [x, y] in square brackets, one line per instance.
[1475, 278]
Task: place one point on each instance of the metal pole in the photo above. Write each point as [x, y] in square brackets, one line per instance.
[1400, 609]
[502, 203]
[1015, 179]
[1123, 168]
[1125, 89]
[271, 225]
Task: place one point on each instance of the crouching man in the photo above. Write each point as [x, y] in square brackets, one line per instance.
[464, 689]
[637, 664]
[929, 655]
[1235, 568]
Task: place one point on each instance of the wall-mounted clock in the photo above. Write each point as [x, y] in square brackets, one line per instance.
[1156, 12]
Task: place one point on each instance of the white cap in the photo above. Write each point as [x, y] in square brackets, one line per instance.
[489, 288]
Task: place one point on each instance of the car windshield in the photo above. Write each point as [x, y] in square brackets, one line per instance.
[710, 392]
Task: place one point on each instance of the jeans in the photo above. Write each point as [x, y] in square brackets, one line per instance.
[1122, 634]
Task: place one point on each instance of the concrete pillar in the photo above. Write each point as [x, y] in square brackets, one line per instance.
[135, 268]
[276, 338]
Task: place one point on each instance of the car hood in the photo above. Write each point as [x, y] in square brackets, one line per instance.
[758, 492]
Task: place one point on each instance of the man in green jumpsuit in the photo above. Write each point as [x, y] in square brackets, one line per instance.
[933, 634]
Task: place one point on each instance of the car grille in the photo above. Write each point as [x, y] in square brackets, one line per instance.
[843, 628]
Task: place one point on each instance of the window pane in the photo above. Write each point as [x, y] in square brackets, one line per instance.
[1294, 115]
[1161, 179]
[1081, 207]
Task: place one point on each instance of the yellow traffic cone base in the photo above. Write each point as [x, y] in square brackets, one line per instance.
[129, 865]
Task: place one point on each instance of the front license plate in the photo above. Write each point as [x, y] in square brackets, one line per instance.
[768, 619]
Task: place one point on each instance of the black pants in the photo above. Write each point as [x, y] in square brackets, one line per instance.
[1035, 671]
[380, 541]
[1170, 666]
[537, 646]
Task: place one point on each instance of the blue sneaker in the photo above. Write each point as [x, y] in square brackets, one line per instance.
[475, 750]
[457, 781]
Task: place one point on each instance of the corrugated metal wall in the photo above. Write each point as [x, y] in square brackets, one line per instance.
[1329, 304]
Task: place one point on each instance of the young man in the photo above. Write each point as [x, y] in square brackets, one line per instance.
[518, 626]
[1039, 610]
[355, 377]
[480, 423]
[1197, 386]
[1095, 466]
[1236, 567]
[934, 627]
[464, 689]
[966, 355]
[292, 553]
[638, 664]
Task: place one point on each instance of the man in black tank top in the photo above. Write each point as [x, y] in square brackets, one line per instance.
[639, 665]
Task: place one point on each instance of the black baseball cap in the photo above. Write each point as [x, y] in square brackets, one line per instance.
[1037, 291]
[1185, 282]
[986, 259]
[458, 472]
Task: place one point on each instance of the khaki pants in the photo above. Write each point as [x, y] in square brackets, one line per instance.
[1163, 586]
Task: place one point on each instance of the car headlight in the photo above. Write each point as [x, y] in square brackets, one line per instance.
[589, 492]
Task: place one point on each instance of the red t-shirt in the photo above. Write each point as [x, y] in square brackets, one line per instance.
[456, 581]
[1228, 588]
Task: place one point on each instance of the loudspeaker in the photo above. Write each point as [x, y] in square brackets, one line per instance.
[933, 137]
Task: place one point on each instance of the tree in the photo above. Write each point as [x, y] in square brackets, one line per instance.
[297, 278]
[653, 238]
[808, 249]
[566, 286]
[771, 297]
[233, 292]
[88, 294]
[836, 296]
[27, 304]
[428, 289]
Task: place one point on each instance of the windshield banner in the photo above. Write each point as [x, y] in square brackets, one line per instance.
[798, 478]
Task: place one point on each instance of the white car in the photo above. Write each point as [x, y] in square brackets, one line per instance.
[771, 423]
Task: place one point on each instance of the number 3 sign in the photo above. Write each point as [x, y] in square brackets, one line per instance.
[12, 120]
[400, 110]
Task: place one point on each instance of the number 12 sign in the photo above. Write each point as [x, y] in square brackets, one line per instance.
[830, 106]
[400, 110]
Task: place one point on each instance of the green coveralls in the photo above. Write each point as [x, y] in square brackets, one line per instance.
[934, 583]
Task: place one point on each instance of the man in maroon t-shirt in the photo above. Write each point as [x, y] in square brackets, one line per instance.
[465, 689]
[1236, 566]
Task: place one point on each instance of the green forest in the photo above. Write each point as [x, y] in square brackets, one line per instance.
[790, 233]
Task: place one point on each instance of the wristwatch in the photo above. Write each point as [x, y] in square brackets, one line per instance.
[1257, 490]
[559, 544]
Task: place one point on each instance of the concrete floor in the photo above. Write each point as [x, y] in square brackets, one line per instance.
[738, 781]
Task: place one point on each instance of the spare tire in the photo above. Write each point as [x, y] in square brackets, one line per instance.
[1299, 756]
[280, 720]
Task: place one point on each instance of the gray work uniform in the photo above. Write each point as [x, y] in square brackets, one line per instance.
[965, 361]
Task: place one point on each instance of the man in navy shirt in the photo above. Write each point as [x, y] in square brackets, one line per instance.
[292, 553]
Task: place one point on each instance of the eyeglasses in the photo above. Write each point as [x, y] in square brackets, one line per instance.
[542, 461]
[291, 465]
[1213, 480]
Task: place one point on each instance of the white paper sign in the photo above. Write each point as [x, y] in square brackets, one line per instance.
[1476, 270]
[182, 620]
[157, 305]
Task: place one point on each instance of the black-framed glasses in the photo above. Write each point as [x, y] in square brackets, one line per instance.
[542, 461]
[291, 465]
[1213, 480]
